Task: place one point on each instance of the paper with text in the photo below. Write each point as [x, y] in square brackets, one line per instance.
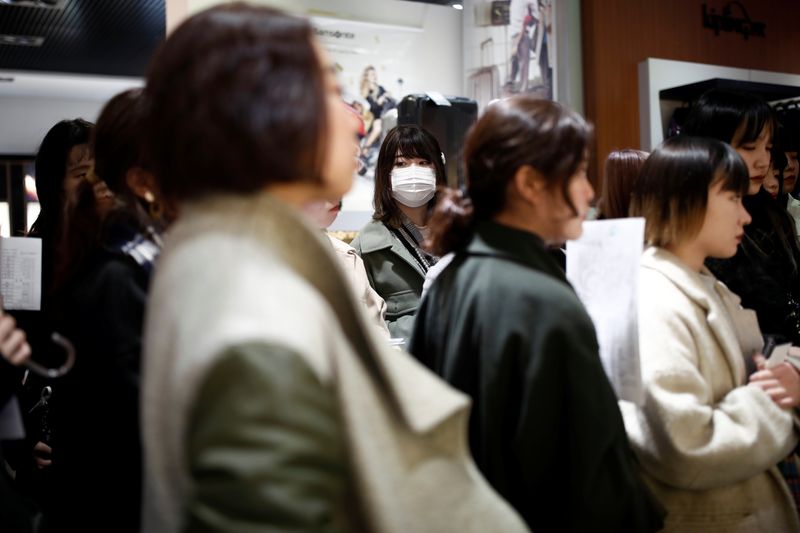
[603, 267]
[21, 273]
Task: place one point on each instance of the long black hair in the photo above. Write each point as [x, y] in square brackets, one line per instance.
[51, 171]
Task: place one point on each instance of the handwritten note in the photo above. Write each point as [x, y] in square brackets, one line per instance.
[21, 273]
[603, 266]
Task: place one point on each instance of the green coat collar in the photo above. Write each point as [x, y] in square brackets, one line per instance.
[376, 236]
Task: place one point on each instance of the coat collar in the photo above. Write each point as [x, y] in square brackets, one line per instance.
[376, 236]
[419, 398]
[524, 247]
[735, 329]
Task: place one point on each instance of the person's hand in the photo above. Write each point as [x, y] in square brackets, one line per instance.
[14, 347]
[781, 383]
[42, 453]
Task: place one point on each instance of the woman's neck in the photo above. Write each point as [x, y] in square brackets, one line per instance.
[688, 254]
[295, 194]
[417, 215]
[523, 218]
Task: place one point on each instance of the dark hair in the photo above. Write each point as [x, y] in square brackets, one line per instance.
[789, 118]
[51, 170]
[779, 161]
[672, 190]
[118, 146]
[512, 133]
[119, 140]
[236, 101]
[621, 171]
[722, 114]
[408, 141]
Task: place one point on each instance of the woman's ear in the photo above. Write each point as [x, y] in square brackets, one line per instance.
[529, 184]
[142, 183]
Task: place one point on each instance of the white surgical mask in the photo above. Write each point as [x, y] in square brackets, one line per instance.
[413, 186]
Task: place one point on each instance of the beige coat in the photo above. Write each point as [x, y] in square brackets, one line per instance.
[353, 267]
[707, 443]
[247, 269]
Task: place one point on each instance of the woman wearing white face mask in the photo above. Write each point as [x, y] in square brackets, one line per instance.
[410, 168]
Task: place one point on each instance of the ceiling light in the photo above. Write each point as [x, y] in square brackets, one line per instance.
[459, 7]
[49, 4]
[21, 40]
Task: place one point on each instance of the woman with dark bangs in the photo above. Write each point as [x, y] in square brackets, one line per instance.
[410, 168]
[765, 271]
[707, 441]
[502, 324]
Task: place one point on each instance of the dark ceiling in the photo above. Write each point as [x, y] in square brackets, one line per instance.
[108, 37]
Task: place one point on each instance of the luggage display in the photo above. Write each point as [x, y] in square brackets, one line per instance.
[448, 123]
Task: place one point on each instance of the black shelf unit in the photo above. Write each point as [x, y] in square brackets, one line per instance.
[769, 92]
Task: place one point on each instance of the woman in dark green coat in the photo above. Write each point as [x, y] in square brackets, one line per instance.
[410, 168]
[502, 324]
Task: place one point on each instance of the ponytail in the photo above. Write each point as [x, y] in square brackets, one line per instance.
[451, 223]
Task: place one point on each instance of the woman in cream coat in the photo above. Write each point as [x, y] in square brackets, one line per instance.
[706, 440]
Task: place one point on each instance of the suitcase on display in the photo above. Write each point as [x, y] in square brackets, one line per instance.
[449, 124]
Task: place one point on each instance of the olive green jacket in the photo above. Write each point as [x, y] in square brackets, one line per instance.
[270, 403]
[394, 274]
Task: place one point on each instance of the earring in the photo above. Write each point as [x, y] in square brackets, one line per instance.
[154, 207]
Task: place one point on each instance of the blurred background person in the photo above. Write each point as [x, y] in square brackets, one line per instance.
[16, 512]
[94, 411]
[621, 171]
[380, 101]
[322, 213]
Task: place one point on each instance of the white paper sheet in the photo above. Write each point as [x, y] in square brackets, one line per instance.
[781, 354]
[603, 266]
[21, 273]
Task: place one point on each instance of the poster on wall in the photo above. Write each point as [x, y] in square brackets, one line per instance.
[509, 49]
[376, 69]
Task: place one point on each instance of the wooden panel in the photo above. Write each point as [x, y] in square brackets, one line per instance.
[618, 34]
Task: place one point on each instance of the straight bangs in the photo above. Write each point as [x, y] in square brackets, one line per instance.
[415, 145]
[672, 190]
